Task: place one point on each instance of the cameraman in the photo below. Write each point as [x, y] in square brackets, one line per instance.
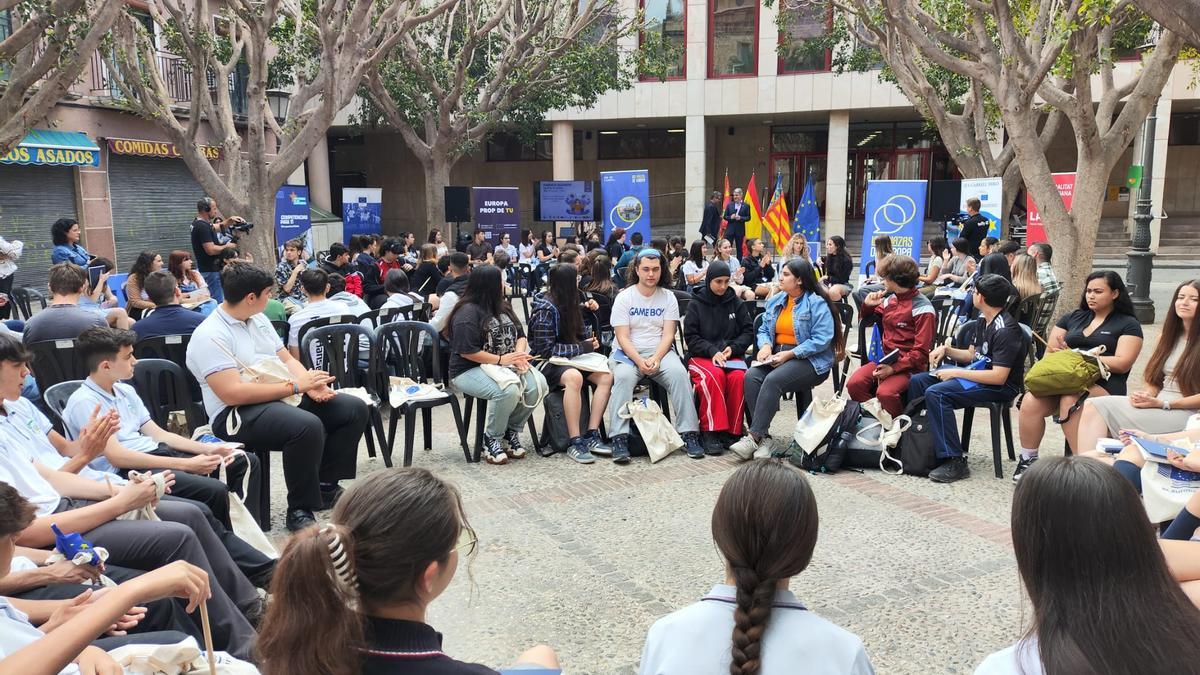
[209, 245]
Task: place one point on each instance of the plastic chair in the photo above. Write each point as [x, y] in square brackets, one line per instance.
[341, 346]
[999, 412]
[116, 284]
[23, 299]
[172, 348]
[399, 351]
[56, 398]
[323, 321]
[56, 361]
[281, 329]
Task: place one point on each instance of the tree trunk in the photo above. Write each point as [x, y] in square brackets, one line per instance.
[1075, 243]
[260, 242]
[437, 177]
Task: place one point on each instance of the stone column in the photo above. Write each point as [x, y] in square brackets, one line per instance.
[835, 172]
[94, 207]
[695, 176]
[562, 150]
[1158, 176]
[318, 176]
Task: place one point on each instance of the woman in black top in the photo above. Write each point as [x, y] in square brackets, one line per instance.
[427, 275]
[616, 243]
[837, 265]
[1104, 318]
[363, 584]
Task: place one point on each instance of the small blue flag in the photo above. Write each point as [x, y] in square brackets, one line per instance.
[875, 348]
[808, 219]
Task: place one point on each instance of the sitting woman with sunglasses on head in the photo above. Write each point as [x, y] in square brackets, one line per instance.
[364, 582]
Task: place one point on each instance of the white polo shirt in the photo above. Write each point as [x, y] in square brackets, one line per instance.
[17, 470]
[1021, 658]
[250, 341]
[697, 640]
[16, 633]
[27, 430]
[125, 401]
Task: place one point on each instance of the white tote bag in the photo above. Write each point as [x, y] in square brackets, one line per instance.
[181, 658]
[815, 424]
[656, 431]
[1166, 489]
[244, 525]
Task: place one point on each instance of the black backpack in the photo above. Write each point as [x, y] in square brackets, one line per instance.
[915, 450]
[834, 455]
[556, 437]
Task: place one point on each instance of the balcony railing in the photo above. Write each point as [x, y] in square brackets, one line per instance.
[177, 75]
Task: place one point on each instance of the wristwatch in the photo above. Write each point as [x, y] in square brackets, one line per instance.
[1166, 405]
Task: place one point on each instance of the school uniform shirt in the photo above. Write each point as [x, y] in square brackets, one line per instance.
[311, 312]
[697, 640]
[1004, 343]
[17, 470]
[473, 331]
[1021, 658]
[126, 402]
[1108, 333]
[27, 431]
[16, 633]
[411, 648]
[644, 316]
[250, 341]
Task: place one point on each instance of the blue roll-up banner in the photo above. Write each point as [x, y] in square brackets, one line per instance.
[895, 208]
[362, 211]
[292, 218]
[625, 198]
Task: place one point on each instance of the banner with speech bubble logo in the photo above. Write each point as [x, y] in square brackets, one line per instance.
[895, 208]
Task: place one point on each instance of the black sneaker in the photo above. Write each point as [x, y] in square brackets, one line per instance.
[1022, 466]
[515, 449]
[691, 443]
[329, 498]
[950, 470]
[620, 448]
[299, 519]
[712, 442]
[493, 452]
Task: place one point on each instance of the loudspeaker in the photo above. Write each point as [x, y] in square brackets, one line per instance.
[943, 198]
[458, 203]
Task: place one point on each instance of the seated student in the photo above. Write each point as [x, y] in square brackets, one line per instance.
[398, 293]
[600, 287]
[799, 335]
[317, 305]
[635, 246]
[482, 328]
[556, 328]
[959, 267]
[390, 549]
[1042, 252]
[765, 526]
[882, 246]
[364, 248]
[136, 300]
[168, 317]
[988, 246]
[757, 265]
[66, 641]
[479, 250]
[319, 438]
[696, 265]
[837, 265]
[644, 318]
[459, 273]
[287, 272]
[999, 339]
[63, 319]
[1172, 378]
[30, 461]
[906, 320]
[719, 327]
[426, 276]
[723, 252]
[1078, 531]
[101, 299]
[1105, 318]
[936, 247]
[337, 261]
[338, 294]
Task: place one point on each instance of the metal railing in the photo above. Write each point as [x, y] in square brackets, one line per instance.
[177, 75]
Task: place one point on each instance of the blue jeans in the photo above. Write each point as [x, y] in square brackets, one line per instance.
[943, 398]
[213, 279]
[505, 412]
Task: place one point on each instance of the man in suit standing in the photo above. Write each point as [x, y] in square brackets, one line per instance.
[736, 215]
[710, 226]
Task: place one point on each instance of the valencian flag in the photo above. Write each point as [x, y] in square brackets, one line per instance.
[808, 218]
[776, 217]
[724, 203]
[754, 225]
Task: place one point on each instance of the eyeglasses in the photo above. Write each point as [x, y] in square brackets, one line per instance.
[466, 539]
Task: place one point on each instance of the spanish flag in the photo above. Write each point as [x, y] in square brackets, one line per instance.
[754, 225]
[776, 217]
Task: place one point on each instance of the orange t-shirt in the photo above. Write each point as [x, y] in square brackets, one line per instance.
[785, 330]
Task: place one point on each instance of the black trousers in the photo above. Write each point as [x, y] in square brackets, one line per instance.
[161, 615]
[319, 441]
[207, 489]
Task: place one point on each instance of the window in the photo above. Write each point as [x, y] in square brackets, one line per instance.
[1185, 129]
[801, 47]
[733, 38]
[505, 147]
[640, 144]
[800, 139]
[668, 20]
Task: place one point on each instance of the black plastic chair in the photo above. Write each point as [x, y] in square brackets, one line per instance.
[470, 402]
[23, 299]
[999, 412]
[380, 316]
[56, 361]
[399, 351]
[281, 329]
[341, 349]
[323, 321]
[56, 398]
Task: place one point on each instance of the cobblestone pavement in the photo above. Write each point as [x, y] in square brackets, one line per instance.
[586, 558]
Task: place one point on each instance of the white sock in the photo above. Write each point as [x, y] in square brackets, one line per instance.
[1029, 454]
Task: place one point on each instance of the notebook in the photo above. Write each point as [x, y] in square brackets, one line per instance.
[1155, 451]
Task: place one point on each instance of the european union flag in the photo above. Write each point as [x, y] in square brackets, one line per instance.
[808, 219]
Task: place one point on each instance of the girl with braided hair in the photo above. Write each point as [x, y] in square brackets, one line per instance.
[765, 525]
[351, 596]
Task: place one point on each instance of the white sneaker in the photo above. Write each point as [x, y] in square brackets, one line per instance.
[744, 448]
[764, 450]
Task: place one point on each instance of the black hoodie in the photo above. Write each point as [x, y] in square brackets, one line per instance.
[713, 323]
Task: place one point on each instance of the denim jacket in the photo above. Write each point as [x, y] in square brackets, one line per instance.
[813, 323]
[73, 253]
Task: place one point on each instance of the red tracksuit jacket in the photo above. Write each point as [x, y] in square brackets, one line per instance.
[908, 321]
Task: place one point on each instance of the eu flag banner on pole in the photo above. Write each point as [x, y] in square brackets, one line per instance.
[808, 219]
[625, 196]
[895, 208]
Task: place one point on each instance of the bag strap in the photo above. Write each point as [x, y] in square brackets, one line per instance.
[1094, 353]
[1071, 411]
[542, 388]
[238, 362]
[222, 472]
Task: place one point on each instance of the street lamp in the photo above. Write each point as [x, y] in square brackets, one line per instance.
[277, 99]
[1140, 263]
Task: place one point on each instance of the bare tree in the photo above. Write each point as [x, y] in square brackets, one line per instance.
[1178, 16]
[51, 42]
[493, 63]
[1052, 65]
[322, 51]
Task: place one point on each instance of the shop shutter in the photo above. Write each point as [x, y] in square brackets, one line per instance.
[31, 199]
[153, 205]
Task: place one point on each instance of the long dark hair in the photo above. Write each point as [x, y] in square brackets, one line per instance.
[803, 270]
[392, 525]
[601, 281]
[696, 254]
[1103, 598]
[1123, 304]
[1187, 370]
[563, 292]
[141, 267]
[765, 525]
[485, 289]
